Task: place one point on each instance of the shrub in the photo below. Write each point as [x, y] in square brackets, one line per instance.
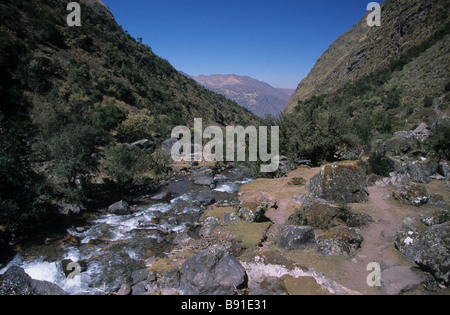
[380, 164]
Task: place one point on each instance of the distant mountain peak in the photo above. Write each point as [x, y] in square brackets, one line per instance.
[259, 97]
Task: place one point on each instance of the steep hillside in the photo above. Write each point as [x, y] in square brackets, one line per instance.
[363, 49]
[257, 96]
[71, 95]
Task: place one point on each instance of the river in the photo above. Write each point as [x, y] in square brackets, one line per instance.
[108, 247]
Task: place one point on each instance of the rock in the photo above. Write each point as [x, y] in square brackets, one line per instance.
[125, 289]
[416, 195]
[297, 237]
[67, 270]
[208, 226]
[436, 200]
[163, 195]
[270, 286]
[299, 198]
[284, 167]
[265, 197]
[204, 177]
[16, 282]
[420, 171]
[139, 275]
[214, 272]
[166, 147]
[139, 288]
[205, 198]
[252, 211]
[348, 152]
[119, 208]
[422, 132]
[69, 209]
[399, 279]
[404, 134]
[397, 146]
[144, 144]
[340, 182]
[339, 241]
[428, 249]
[444, 169]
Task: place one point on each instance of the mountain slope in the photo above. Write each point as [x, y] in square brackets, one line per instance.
[363, 49]
[257, 96]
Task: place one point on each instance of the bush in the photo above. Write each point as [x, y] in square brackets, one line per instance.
[136, 127]
[428, 101]
[121, 164]
[380, 164]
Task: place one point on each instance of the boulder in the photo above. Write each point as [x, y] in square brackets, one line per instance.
[143, 144]
[340, 182]
[444, 169]
[400, 279]
[297, 237]
[270, 286]
[428, 249]
[125, 289]
[341, 240]
[420, 171]
[205, 198]
[214, 272]
[416, 195]
[204, 177]
[422, 132]
[16, 282]
[265, 197]
[397, 145]
[166, 147]
[119, 208]
[252, 211]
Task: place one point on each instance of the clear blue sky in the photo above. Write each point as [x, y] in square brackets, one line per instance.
[276, 41]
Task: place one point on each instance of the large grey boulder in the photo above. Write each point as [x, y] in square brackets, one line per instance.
[166, 147]
[252, 211]
[416, 195]
[16, 282]
[214, 271]
[420, 171]
[429, 249]
[340, 182]
[297, 237]
[204, 177]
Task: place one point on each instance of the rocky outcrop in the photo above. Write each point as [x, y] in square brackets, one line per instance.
[400, 279]
[339, 241]
[297, 237]
[16, 282]
[340, 182]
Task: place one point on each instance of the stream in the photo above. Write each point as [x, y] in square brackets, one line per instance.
[108, 247]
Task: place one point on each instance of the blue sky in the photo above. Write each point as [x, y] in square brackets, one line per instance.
[276, 41]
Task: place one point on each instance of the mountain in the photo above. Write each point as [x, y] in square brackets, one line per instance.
[257, 96]
[363, 50]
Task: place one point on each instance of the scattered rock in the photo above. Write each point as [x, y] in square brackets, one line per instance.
[119, 208]
[297, 237]
[252, 211]
[340, 182]
[214, 271]
[300, 198]
[270, 286]
[341, 240]
[399, 279]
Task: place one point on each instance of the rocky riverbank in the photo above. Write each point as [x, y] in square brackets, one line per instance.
[289, 235]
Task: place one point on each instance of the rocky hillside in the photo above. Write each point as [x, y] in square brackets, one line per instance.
[364, 50]
[259, 97]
